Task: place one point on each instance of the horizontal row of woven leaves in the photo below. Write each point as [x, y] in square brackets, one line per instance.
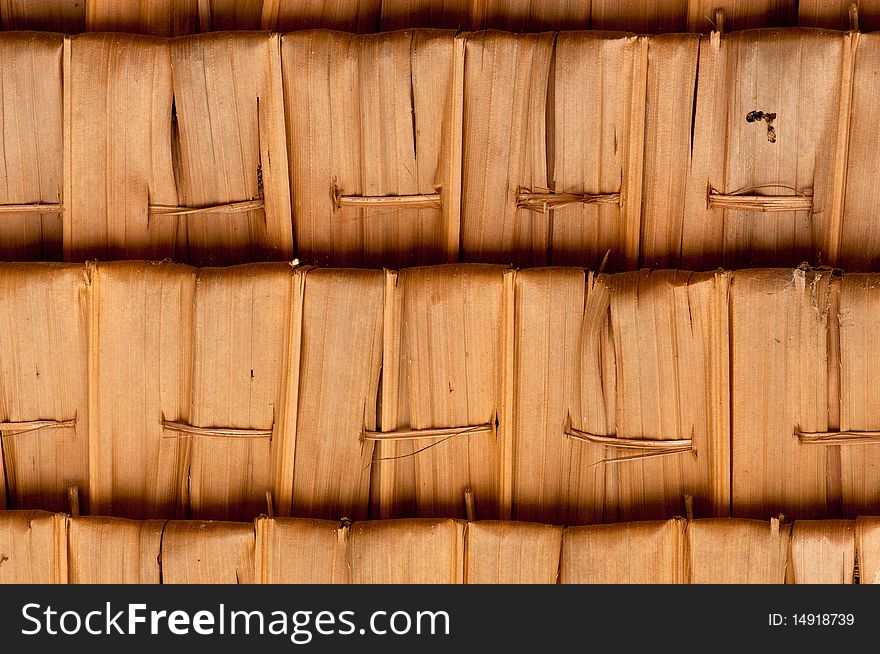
[578, 148]
[55, 548]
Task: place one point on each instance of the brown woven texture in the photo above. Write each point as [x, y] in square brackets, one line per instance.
[158, 390]
[42, 547]
[481, 420]
[598, 149]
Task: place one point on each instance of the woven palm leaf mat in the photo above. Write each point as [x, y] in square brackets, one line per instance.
[42, 547]
[158, 390]
[598, 149]
[417, 306]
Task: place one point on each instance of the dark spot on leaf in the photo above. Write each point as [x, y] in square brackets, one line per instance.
[768, 117]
